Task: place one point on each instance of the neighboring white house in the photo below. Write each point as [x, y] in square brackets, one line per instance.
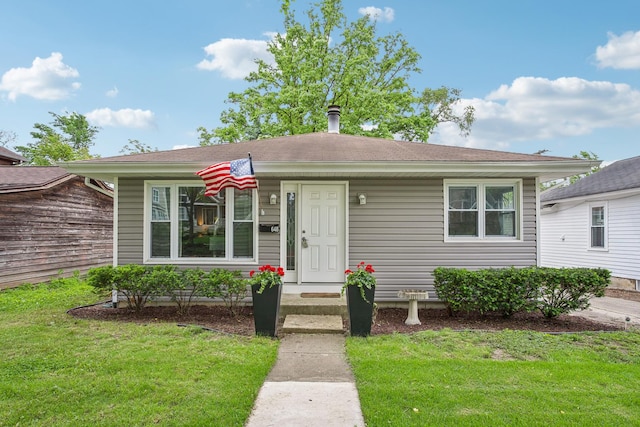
[595, 222]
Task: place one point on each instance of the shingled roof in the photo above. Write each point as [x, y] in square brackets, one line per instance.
[618, 176]
[26, 178]
[333, 155]
[10, 156]
[328, 147]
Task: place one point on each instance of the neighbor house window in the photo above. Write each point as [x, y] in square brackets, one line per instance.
[183, 223]
[598, 226]
[482, 210]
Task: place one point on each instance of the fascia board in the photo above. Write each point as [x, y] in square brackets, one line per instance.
[107, 171]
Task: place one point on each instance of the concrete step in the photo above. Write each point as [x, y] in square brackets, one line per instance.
[312, 324]
[297, 304]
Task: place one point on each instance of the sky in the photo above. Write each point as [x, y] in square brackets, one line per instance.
[560, 76]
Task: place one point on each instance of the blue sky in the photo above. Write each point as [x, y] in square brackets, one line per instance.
[542, 75]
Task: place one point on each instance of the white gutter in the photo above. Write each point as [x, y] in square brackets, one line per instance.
[546, 170]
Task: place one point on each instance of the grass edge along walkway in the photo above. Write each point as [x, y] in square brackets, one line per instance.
[56, 370]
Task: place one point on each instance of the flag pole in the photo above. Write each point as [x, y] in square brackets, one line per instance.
[260, 209]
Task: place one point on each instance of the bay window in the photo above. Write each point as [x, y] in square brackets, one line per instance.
[482, 210]
[181, 223]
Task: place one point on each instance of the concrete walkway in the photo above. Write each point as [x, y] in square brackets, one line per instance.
[310, 385]
[613, 311]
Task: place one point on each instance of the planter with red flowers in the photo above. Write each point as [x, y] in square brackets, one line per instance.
[266, 287]
[360, 286]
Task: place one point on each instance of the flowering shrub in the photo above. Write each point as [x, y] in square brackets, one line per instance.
[266, 276]
[362, 277]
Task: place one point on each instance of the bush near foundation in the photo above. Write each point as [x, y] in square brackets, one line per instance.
[227, 285]
[568, 289]
[140, 283]
[506, 291]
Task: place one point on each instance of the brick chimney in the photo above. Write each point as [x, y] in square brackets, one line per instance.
[333, 114]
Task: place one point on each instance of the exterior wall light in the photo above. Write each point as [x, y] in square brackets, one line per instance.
[273, 198]
[362, 197]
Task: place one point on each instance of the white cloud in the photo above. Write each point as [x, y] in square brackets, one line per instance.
[112, 93]
[47, 79]
[377, 14]
[235, 58]
[621, 52]
[182, 146]
[126, 117]
[537, 109]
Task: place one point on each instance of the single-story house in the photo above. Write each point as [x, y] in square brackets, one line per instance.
[595, 222]
[52, 221]
[327, 201]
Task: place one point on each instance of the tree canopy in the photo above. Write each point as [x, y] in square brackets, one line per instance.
[331, 61]
[67, 137]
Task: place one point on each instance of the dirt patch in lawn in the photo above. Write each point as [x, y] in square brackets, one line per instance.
[388, 320]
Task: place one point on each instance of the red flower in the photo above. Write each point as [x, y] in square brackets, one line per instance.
[280, 271]
[361, 263]
[369, 268]
[251, 273]
[347, 271]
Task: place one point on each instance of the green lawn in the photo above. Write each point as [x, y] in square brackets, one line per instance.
[56, 370]
[508, 378]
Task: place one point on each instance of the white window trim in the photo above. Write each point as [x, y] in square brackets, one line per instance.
[174, 207]
[480, 184]
[604, 248]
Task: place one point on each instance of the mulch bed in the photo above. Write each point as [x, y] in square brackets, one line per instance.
[388, 320]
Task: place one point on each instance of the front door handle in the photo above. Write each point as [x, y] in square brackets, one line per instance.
[305, 244]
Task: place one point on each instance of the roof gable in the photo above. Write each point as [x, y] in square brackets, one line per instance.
[618, 176]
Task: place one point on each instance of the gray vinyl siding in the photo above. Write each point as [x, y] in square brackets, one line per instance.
[400, 231]
[130, 221]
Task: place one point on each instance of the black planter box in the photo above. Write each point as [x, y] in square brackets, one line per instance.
[360, 311]
[266, 308]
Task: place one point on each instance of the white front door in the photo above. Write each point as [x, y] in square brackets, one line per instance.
[322, 233]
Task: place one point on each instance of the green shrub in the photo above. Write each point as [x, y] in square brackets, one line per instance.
[130, 280]
[164, 280]
[102, 278]
[568, 289]
[505, 291]
[227, 285]
[512, 290]
[188, 286]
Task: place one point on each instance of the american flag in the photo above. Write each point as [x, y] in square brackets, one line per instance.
[237, 174]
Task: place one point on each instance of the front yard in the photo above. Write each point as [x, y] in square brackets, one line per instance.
[508, 378]
[58, 370]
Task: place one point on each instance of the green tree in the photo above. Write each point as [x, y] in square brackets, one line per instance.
[585, 155]
[136, 147]
[67, 137]
[333, 61]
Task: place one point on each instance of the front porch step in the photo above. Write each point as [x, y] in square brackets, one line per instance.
[312, 324]
[299, 304]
